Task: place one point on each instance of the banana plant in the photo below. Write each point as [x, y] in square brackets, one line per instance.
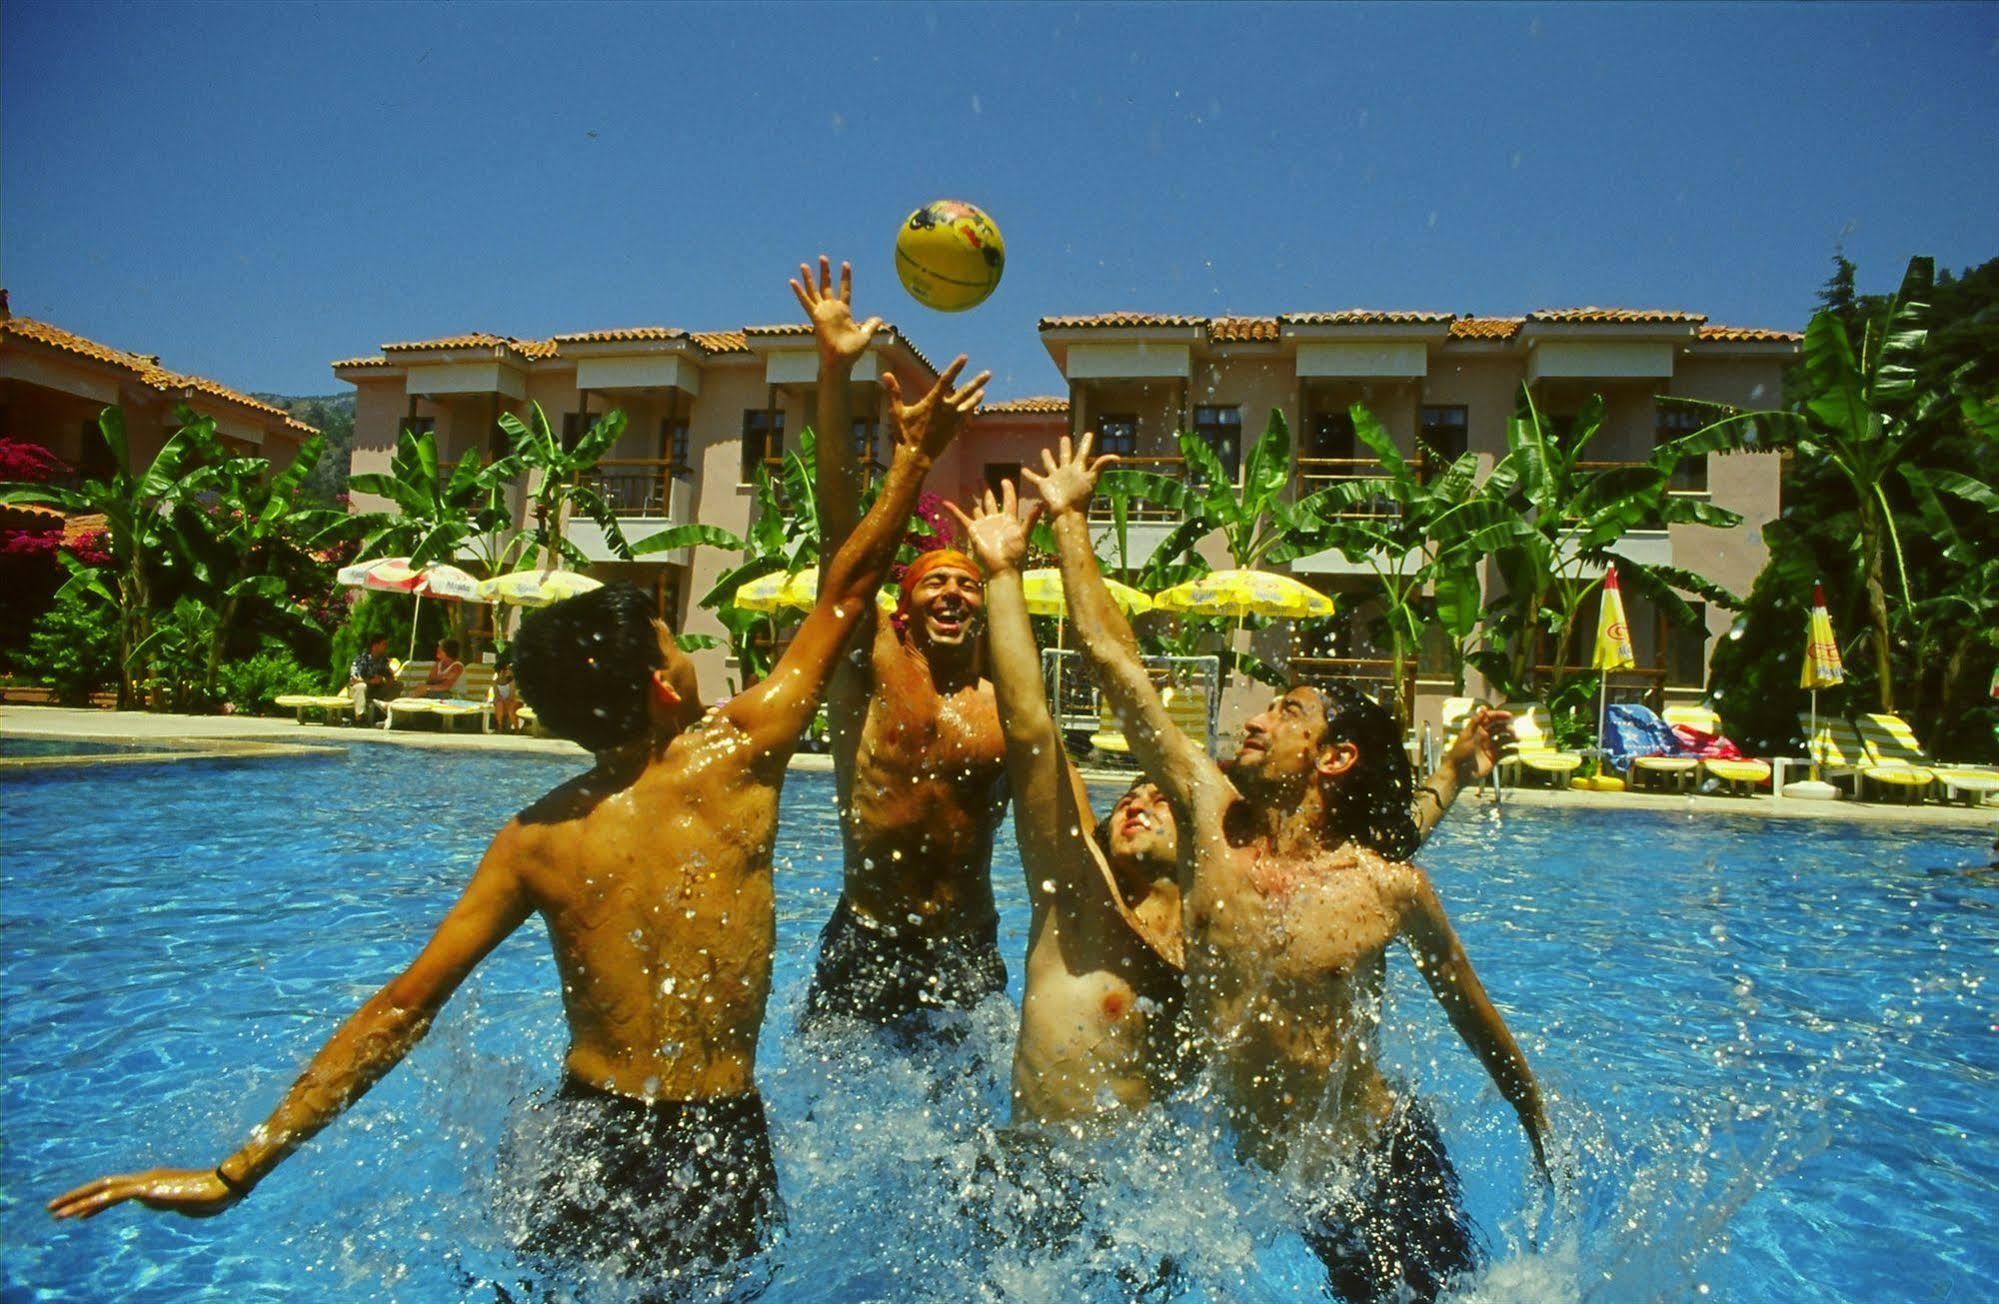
[1430, 541]
[558, 492]
[1575, 518]
[439, 517]
[139, 508]
[1865, 415]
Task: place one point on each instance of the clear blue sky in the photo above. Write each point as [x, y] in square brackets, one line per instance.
[252, 191]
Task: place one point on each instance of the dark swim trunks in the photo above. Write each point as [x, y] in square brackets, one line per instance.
[1400, 1231]
[876, 975]
[649, 1190]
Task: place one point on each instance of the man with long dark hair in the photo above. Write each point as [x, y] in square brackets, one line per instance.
[1295, 880]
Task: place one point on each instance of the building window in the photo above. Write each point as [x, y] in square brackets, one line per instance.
[763, 439]
[1677, 422]
[1117, 433]
[1686, 662]
[1220, 428]
[673, 438]
[1333, 437]
[1446, 431]
[867, 432]
[999, 472]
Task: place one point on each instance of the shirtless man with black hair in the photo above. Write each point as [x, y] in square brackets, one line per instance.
[1295, 879]
[652, 873]
[918, 754]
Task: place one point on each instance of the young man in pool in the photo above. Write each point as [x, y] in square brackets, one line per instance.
[1295, 880]
[1104, 949]
[652, 873]
[918, 754]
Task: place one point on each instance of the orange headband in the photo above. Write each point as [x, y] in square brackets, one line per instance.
[930, 561]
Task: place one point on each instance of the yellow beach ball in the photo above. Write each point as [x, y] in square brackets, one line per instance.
[950, 255]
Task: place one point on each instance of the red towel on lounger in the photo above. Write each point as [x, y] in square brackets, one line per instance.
[1707, 746]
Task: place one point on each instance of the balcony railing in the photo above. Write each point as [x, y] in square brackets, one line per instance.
[634, 486]
[1374, 676]
[1171, 468]
[1318, 473]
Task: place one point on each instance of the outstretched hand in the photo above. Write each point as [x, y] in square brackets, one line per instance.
[928, 425]
[186, 1191]
[1476, 749]
[841, 339]
[997, 528]
[1068, 479]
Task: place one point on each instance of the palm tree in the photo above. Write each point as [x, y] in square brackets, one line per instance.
[1575, 517]
[140, 529]
[1868, 417]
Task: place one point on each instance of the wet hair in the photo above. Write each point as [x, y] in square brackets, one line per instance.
[503, 660]
[450, 646]
[1370, 802]
[585, 665]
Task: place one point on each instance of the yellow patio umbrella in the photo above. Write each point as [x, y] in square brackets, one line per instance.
[798, 591]
[1241, 593]
[1613, 645]
[1045, 597]
[535, 588]
[1822, 664]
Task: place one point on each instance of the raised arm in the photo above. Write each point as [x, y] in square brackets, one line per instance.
[1442, 960]
[777, 710]
[1469, 759]
[1183, 771]
[372, 1041]
[841, 342]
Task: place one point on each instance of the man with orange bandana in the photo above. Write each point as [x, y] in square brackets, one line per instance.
[918, 755]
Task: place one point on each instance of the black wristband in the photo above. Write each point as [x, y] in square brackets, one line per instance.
[236, 1188]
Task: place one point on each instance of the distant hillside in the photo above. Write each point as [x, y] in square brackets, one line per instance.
[334, 415]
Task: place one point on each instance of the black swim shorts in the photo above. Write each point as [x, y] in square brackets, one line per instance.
[1400, 1231]
[655, 1191]
[876, 975]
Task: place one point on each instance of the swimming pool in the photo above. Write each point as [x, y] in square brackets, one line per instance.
[1773, 1045]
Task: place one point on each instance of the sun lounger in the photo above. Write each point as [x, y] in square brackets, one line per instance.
[1186, 707]
[1890, 741]
[1632, 733]
[329, 705]
[472, 697]
[1531, 749]
[1737, 775]
[1840, 753]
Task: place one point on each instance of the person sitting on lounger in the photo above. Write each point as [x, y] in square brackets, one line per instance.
[652, 874]
[370, 679]
[506, 699]
[445, 671]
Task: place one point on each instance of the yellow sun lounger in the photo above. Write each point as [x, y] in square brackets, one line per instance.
[472, 697]
[1737, 776]
[409, 675]
[1186, 707]
[1531, 749]
[1839, 752]
[1890, 741]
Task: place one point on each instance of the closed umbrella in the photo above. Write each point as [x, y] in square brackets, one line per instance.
[1822, 665]
[1613, 646]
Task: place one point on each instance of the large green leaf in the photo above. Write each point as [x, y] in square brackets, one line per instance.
[688, 536]
[1268, 471]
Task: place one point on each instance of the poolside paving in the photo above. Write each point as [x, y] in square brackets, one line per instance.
[165, 729]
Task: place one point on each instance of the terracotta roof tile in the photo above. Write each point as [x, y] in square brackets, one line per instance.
[786, 328]
[376, 361]
[142, 366]
[1111, 319]
[1034, 404]
[1365, 317]
[1239, 330]
[529, 349]
[1486, 328]
[1748, 335]
[722, 341]
[1603, 316]
[621, 335]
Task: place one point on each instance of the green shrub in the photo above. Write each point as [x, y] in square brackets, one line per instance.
[73, 648]
[253, 685]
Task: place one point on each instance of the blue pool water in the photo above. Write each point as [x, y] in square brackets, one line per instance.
[1772, 1045]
